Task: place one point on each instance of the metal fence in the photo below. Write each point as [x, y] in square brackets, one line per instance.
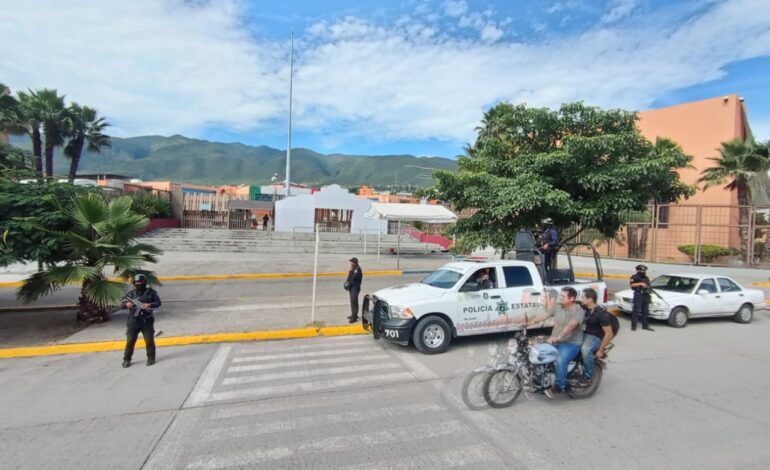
[736, 236]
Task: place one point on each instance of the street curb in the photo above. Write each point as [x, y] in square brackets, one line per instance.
[227, 277]
[103, 346]
[37, 309]
[760, 284]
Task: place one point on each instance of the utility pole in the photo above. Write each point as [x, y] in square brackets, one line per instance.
[288, 147]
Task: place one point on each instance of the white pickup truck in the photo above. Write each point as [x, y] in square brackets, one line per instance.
[449, 302]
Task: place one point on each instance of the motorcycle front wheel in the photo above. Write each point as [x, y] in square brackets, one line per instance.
[501, 388]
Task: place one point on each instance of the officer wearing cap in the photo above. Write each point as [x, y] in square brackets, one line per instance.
[140, 302]
[353, 286]
[640, 284]
[550, 240]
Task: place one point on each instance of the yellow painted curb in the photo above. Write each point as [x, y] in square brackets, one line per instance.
[606, 276]
[225, 277]
[760, 284]
[102, 346]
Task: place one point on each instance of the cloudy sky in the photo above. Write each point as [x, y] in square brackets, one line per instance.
[378, 76]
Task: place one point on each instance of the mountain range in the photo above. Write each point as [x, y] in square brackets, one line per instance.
[180, 158]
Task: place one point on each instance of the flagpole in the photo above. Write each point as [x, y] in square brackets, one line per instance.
[288, 147]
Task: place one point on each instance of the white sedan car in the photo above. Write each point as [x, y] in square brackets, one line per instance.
[681, 297]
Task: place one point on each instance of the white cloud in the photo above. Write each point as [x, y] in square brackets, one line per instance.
[619, 9]
[455, 8]
[172, 67]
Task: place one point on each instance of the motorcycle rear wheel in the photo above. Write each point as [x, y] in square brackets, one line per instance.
[502, 388]
[591, 388]
[473, 389]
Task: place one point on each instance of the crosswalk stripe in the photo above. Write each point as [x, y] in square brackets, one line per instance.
[435, 460]
[297, 374]
[321, 401]
[307, 362]
[326, 342]
[280, 390]
[305, 422]
[208, 378]
[294, 355]
[329, 444]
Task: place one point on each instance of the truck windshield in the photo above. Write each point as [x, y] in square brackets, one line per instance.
[442, 278]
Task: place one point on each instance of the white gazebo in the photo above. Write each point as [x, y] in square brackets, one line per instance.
[428, 213]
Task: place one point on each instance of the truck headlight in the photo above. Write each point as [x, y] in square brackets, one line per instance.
[401, 312]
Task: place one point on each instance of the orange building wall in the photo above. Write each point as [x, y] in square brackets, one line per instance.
[699, 128]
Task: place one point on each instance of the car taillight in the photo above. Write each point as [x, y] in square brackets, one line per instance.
[606, 295]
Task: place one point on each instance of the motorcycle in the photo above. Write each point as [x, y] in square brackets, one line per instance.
[530, 368]
[472, 390]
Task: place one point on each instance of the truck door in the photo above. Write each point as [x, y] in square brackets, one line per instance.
[521, 296]
[478, 302]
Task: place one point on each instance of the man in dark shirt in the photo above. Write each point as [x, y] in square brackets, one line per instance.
[483, 279]
[640, 284]
[598, 331]
[353, 285]
[140, 303]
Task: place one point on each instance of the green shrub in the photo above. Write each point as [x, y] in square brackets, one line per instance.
[707, 252]
[150, 205]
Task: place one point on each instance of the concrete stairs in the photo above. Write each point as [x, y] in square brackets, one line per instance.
[259, 241]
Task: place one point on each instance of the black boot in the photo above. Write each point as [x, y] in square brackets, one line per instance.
[126, 364]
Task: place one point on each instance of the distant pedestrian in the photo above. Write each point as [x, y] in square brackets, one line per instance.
[140, 302]
[353, 286]
[265, 221]
[640, 284]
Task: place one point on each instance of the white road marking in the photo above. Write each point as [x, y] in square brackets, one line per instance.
[330, 444]
[307, 362]
[435, 460]
[207, 380]
[421, 371]
[315, 372]
[306, 422]
[294, 355]
[288, 389]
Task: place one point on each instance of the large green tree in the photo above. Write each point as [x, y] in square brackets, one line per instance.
[579, 165]
[103, 236]
[86, 131]
[49, 108]
[737, 165]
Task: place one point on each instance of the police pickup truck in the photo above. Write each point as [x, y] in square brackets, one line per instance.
[457, 300]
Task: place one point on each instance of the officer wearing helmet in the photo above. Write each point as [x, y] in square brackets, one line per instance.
[640, 284]
[550, 240]
[140, 302]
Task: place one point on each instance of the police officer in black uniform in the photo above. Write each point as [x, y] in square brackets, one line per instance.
[640, 284]
[353, 286]
[550, 240]
[140, 303]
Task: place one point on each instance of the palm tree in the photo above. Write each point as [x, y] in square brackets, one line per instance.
[739, 162]
[50, 109]
[86, 130]
[26, 120]
[103, 236]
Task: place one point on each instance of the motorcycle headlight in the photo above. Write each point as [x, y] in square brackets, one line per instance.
[401, 312]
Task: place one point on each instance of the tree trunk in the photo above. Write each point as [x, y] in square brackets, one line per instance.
[743, 221]
[37, 149]
[75, 159]
[48, 158]
[643, 243]
[88, 311]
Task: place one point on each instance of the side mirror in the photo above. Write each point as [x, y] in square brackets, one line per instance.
[703, 292]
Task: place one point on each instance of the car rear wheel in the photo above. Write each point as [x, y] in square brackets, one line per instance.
[432, 335]
[678, 317]
[745, 314]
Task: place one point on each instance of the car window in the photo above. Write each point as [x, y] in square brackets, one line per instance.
[679, 284]
[517, 276]
[727, 285]
[709, 285]
[476, 279]
[442, 278]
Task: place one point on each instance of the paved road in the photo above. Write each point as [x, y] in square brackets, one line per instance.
[690, 398]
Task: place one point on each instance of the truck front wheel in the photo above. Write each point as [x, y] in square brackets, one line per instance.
[432, 335]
